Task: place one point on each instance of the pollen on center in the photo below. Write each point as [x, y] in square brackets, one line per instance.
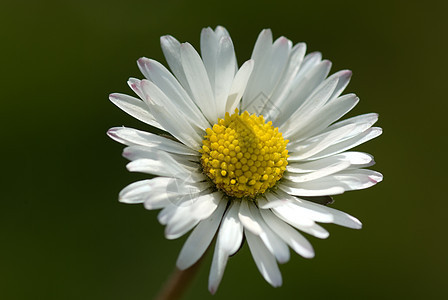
[243, 155]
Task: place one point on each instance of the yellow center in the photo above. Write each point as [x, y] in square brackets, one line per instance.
[243, 155]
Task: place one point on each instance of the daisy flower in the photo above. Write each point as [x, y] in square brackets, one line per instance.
[248, 153]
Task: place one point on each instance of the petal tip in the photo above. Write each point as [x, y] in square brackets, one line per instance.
[112, 132]
[327, 62]
[142, 60]
[207, 30]
[126, 153]
[220, 27]
[324, 235]
[212, 288]
[165, 38]
[376, 178]
[309, 255]
[346, 73]
[283, 40]
[123, 200]
[113, 96]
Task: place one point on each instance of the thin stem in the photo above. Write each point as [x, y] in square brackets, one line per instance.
[178, 283]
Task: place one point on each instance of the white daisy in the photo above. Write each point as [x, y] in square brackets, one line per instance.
[248, 152]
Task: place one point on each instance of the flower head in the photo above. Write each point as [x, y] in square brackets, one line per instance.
[252, 152]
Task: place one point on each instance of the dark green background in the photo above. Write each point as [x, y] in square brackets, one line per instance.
[65, 236]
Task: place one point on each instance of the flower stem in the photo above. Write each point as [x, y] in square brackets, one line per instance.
[178, 283]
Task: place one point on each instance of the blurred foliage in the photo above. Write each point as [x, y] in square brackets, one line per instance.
[64, 234]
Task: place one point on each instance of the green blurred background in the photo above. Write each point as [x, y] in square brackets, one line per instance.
[63, 233]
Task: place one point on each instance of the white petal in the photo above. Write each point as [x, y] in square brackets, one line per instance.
[293, 238]
[357, 179]
[134, 107]
[209, 50]
[221, 31]
[198, 81]
[263, 43]
[338, 217]
[264, 260]
[139, 152]
[217, 269]
[220, 62]
[302, 89]
[300, 212]
[346, 180]
[232, 230]
[310, 61]
[130, 136]
[288, 213]
[367, 135]
[314, 229]
[181, 130]
[262, 49]
[247, 219]
[264, 203]
[330, 113]
[165, 214]
[283, 87]
[186, 217]
[267, 73]
[304, 143]
[320, 143]
[175, 209]
[169, 115]
[309, 107]
[292, 209]
[355, 159]
[178, 193]
[157, 190]
[362, 122]
[316, 212]
[171, 50]
[164, 199]
[328, 170]
[312, 189]
[360, 160]
[156, 167]
[165, 165]
[228, 242]
[239, 86]
[271, 240]
[344, 78]
[291, 92]
[136, 191]
[175, 94]
[225, 72]
[155, 96]
[134, 84]
[200, 239]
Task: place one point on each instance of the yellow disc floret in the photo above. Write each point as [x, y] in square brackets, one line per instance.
[243, 155]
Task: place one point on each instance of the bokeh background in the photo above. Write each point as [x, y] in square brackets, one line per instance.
[63, 233]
